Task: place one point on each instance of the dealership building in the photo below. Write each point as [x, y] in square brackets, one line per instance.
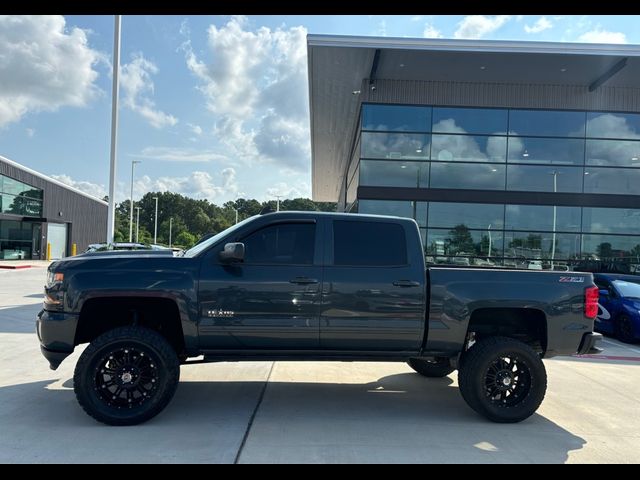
[523, 154]
[37, 211]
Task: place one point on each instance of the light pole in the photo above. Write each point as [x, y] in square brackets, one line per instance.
[170, 229]
[133, 164]
[137, 224]
[555, 174]
[278, 197]
[111, 215]
[155, 230]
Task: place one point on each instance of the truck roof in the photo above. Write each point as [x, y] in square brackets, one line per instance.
[346, 216]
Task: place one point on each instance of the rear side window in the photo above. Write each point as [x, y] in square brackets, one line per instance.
[368, 244]
[282, 244]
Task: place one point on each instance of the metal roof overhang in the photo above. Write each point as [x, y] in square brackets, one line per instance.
[337, 65]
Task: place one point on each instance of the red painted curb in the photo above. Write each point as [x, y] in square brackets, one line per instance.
[15, 267]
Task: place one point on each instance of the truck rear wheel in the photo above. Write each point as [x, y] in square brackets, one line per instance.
[437, 368]
[126, 376]
[502, 379]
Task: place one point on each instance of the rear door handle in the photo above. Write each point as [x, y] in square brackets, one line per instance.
[303, 281]
[406, 283]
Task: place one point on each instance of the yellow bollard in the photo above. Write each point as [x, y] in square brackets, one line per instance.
[74, 250]
[48, 251]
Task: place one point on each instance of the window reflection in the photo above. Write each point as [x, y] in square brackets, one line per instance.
[546, 150]
[467, 176]
[610, 220]
[395, 146]
[613, 125]
[613, 153]
[470, 120]
[467, 148]
[544, 179]
[604, 247]
[612, 180]
[447, 246]
[541, 217]
[394, 174]
[397, 208]
[547, 123]
[472, 215]
[15, 240]
[396, 118]
[421, 213]
[539, 245]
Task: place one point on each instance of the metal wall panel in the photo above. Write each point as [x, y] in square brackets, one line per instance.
[569, 97]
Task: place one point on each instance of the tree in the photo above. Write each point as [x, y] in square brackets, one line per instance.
[460, 240]
[185, 240]
[605, 250]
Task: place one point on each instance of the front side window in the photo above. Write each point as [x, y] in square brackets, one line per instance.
[369, 244]
[281, 244]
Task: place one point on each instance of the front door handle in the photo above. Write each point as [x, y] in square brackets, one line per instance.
[406, 283]
[303, 281]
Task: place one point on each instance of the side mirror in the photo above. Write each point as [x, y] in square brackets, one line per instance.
[233, 252]
[604, 293]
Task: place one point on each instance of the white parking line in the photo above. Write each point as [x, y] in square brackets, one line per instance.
[621, 346]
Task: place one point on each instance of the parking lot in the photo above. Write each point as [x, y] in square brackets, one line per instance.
[309, 412]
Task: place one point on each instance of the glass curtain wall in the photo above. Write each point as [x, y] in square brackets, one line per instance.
[21, 200]
[506, 150]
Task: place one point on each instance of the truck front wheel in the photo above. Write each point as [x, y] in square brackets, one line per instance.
[436, 368]
[502, 379]
[126, 376]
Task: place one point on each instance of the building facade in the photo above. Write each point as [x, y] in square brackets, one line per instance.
[37, 211]
[506, 154]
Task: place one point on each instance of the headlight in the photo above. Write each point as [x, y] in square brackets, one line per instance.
[54, 278]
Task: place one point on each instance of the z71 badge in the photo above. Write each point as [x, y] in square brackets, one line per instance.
[220, 313]
[571, 279]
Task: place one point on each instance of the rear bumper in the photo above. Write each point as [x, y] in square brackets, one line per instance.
[56, 332]
[588, 344]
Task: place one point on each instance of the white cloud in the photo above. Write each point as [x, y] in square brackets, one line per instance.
[284, 139]
[136, 82]
[196, 129]
[477, 26]
[168, 154]
[30, 132]
[44, 66]
[255, 85]
[541, 25]
[283, 189]
[93, 189]
[431, 32]
[199, 185]
[598, 35]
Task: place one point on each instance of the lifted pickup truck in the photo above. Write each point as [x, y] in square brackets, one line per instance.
[309, 286]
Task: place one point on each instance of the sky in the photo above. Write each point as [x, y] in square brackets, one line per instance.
[213, 107]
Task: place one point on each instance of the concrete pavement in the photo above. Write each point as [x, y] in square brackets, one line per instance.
[311, 411]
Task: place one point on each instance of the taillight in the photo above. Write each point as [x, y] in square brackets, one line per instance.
[591, 296]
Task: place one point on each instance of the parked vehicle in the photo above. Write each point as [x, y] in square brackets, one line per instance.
[619, 308]
[302, 286]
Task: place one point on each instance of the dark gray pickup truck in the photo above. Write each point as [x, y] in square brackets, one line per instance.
[309, 286]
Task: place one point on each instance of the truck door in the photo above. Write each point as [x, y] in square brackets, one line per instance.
[271, 300]
[373, 294]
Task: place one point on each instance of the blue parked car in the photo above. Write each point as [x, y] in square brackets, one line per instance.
[619, 306]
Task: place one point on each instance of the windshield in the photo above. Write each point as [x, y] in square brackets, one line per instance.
[201, 247]
[628, 289]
